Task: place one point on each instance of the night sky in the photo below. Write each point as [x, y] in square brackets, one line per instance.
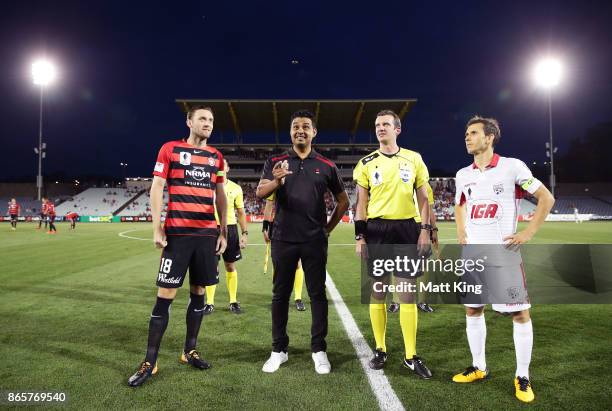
[122, 65]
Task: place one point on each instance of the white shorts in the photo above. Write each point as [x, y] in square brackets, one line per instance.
[503, 308]
[505, 289]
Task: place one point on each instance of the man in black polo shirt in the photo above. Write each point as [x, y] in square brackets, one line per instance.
[300, 178]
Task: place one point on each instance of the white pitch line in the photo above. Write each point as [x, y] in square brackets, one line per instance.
[122, 234]
[380, 385]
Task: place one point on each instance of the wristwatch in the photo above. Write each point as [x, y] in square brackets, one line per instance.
[245, 233]
[359, 237]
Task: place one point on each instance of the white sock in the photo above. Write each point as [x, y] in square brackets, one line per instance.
[476, 330]
[523, 342]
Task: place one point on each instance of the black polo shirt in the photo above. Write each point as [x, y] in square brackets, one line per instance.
[300, 202]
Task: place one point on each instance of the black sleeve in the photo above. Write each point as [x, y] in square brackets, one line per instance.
[267, 170]
[336, 186]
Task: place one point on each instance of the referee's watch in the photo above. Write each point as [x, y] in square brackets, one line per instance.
[359, 237]
[245, 233]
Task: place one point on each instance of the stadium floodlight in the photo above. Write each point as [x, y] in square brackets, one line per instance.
[43, 73]
[547, 74]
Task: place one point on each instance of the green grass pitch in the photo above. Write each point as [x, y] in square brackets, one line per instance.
[75, 309]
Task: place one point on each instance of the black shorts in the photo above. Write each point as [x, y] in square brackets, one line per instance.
[232, 251]
[13, 217]
[196, 253]
[402, 234]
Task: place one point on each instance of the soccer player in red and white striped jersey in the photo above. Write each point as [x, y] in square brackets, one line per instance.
[13, 210]
[190, 238]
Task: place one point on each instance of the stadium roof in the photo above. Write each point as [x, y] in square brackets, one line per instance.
[272, 116]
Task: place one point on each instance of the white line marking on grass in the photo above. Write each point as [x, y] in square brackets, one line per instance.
[123, 234]
[381, 387]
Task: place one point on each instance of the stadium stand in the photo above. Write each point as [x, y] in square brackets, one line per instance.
[96, 201]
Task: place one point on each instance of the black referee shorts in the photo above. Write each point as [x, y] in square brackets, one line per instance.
[387, 239]
[232, 251]
[196, 253]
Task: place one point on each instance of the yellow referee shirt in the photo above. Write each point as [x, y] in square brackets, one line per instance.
[391, 181]
[430, 200]
[235, 199]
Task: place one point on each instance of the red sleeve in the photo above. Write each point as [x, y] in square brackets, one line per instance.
[164, 158]
[221, 170]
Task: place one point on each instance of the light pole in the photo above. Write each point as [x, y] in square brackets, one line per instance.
[547, 74]
[43, 73]
[123, 168]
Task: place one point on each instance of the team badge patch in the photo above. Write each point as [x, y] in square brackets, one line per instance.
[159, 167]
[498, 188]
[405, 173]
[185, 158]
[376, 178]
[211, 161]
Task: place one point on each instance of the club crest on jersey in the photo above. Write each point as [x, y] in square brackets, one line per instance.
[498, 188]
[405, 172]
[484, 212]
[376, 178]
[185, 158]
[211, 161]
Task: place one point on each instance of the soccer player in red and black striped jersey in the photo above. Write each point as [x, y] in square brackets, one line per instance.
[13, 209]
[190, 238]
[43, 213]
[51, 214]
[72, 217]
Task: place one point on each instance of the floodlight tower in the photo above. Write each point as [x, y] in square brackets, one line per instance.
[547, 75]
[43, 73]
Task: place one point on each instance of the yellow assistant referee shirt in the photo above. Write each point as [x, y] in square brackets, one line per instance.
[391, 181]
[235, 199]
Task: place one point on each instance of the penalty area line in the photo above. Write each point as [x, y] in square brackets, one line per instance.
[379, 383]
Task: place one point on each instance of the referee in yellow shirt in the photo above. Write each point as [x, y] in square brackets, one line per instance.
[385, 214]
[235, 205]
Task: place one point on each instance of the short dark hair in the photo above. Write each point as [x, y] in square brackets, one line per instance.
[490, 125]
[193, 109]
[304, 114]
[396, 120]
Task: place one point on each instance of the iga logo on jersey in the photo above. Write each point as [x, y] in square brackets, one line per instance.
[483, 212]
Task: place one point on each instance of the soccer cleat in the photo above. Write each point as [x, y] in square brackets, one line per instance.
[426, 308]
[522, 389]
[322, 365]
[378, 361]
[235, 308]
[471, 374]
[393, 307]
[145, 372]
[418, 367]
[193, 358]
[275, 361]
[208, 309]
[299, 305]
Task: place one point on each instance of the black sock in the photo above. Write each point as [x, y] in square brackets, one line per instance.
[195, 312]
[157, 327]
